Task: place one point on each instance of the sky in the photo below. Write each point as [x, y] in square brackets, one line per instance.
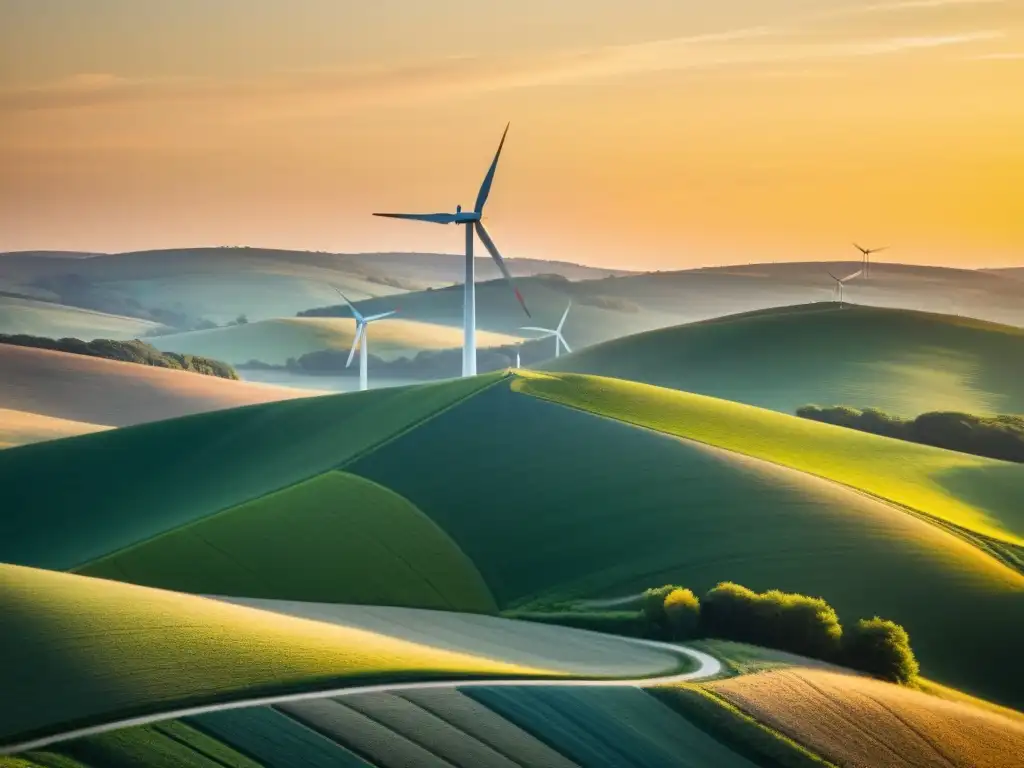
[645, 134]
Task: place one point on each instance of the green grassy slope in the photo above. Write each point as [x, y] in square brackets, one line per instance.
[77, 651]
[974, 493]
[40, 318]
[72, 501]
[900, 361]
[336, 538]
[558, 503]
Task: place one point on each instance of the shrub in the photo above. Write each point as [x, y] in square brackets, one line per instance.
[653, 606]
[682, 613]
[789, 622]
[880, 648]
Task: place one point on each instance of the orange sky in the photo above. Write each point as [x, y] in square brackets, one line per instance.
[649, 133]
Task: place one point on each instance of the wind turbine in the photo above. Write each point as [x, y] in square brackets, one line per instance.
[556, 332]
[472, 221]
[840, 282]
[866, 257]
[361, 325]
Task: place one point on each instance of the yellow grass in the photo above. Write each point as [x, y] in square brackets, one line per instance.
[274, 341]
[97, 391]
[857, 721]
[981, 495]
[82, 650]
[21, 428]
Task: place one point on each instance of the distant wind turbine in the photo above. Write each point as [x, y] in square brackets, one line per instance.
[519, 363]
[556, 332]
[361, 325]
[865, 261]
[840, 282]
[472, 220]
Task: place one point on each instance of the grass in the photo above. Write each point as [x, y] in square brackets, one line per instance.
[859, 721]
[275, 739]
[70, 502]
[970, 492]
[560, 504]
[898, 360]
[40, 318]
[274, 341]
[746, 736]
[80, 651]
[335, 538]
[21, 428]
[166, 745]
[609, 726]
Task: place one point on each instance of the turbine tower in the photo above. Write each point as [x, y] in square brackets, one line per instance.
[361, 325]
[556, 332]
[865, 257]
[840, 282]
[472, 221]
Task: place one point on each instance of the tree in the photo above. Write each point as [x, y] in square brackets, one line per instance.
[880, 648]
[682, 613]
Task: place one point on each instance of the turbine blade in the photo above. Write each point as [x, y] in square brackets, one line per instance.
[355, 312]
[561, 338]
[381, 316]
[833, 277]
[485, 188]
[564, 315]
[850, 277]
[858, 248]
[548, 331]
[883, 248]
[434, 218]
[493, 250]
[360, 330]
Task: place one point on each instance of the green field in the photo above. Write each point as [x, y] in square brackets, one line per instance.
[579, 506]
[274, 341]
[896, 360]
[971, 492]
[100, 650]
[336, 538]
[131, 484]
[55, 321]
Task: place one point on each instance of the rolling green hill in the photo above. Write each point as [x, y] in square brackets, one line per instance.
[545, 502]
[274, 341]
[899, 361]
[100, 651]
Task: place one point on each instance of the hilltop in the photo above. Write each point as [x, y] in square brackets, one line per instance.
[566, 475]
[900, 361]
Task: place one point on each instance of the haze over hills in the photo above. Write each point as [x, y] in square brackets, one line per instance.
[899, 361]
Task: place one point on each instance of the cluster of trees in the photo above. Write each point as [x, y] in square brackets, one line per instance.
[996, 437]
[133, 351]
[790, 622]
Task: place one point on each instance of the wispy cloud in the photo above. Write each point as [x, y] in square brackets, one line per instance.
[909, 5]
[761, 47]
[1006, 56]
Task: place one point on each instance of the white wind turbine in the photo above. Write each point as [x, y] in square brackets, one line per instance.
[837, 292]
[472, 221]
[361, 325]
[556, 332]
[865, 254]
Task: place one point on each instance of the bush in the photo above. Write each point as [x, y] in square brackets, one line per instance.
[789, 622]
[653, 606]
[880, 648]
[682, 613]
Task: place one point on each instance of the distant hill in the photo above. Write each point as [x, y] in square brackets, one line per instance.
[53, 320]
[106, 392]
[274, 341]
[185, 287]
[133, 351]
[899, 361]
[22, 428]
